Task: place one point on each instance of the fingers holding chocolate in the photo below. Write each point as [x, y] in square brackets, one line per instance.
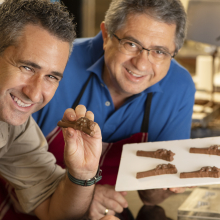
[82, 124]
[74, 114]
[83, 142]
[69, 115]
[90, 115]
[80, 111]
[79, 120]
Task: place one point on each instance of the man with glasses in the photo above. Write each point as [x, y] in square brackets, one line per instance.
[36, 39]
[127, 76]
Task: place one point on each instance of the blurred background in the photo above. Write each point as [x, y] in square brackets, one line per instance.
[89, 14]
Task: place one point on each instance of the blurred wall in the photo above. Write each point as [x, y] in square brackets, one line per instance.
[185, 3]
[89, 14]
[102, 6]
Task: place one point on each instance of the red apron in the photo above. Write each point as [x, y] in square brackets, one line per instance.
[109, 161]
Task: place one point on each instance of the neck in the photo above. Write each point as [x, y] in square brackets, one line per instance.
[118, 100]
[119, 97]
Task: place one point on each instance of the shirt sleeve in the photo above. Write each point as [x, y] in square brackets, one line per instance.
[29, 167]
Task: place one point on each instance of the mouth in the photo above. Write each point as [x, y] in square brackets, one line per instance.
[19, 102]
[134, 74]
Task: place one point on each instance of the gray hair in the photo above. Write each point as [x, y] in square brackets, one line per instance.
[167, 11]
[16, 14]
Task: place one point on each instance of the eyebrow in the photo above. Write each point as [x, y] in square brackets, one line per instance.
[36, 66]
[154, 47]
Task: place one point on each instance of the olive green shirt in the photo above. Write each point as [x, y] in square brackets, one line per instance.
[26, 163]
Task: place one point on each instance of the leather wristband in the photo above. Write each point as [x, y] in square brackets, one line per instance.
[88, 182]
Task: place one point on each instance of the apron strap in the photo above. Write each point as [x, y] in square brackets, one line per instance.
[145, 123]
[81, 93]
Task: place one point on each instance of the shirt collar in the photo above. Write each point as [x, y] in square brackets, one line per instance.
[97, 68]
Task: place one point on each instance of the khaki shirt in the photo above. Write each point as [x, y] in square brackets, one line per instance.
[26, 163]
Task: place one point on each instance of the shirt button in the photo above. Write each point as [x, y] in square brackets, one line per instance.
[107, 103]
[102, 85]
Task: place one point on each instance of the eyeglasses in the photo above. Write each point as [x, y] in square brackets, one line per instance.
[155, 56]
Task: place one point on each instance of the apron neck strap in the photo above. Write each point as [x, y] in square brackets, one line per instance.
[81, 93]
[145, 122]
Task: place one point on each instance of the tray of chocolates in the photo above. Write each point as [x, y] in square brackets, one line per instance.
[169, 164]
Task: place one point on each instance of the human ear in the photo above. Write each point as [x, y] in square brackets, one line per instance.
[105, 36]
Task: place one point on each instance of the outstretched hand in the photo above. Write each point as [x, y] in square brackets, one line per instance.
[179, 189]
[109, 217]
[82, 152]
[105, 197]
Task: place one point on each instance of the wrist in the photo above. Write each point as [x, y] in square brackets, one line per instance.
[82, 174]
[85, 181]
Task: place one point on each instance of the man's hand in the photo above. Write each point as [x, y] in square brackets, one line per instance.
[82, 152]
[177, 189]
[109, 217]
[106, 197]
[156, 196]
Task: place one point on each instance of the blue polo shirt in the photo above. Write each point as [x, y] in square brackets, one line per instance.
[171, 108]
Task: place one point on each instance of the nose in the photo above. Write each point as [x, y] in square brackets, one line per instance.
[141, 61]
[33, 89]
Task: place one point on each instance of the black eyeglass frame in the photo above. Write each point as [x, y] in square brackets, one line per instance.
[119, 39]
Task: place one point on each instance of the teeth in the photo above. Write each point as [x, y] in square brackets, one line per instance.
[133, 74]
[19, 102]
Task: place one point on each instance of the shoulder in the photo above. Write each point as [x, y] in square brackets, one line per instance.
[179, 72]
[10, 133]
[178, 87]
[86, 50]
[178, 78]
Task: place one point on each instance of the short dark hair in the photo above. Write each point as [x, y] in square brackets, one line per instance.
[167, 11]
[53, 17]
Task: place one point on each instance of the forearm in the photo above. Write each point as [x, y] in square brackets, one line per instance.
[69, 201]
[81, 155]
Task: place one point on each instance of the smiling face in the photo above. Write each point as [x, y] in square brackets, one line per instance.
[30, 73]
[126, 75]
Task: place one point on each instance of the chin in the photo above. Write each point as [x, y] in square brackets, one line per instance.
[15, 120]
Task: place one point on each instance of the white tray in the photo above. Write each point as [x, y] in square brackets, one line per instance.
[183, 160]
